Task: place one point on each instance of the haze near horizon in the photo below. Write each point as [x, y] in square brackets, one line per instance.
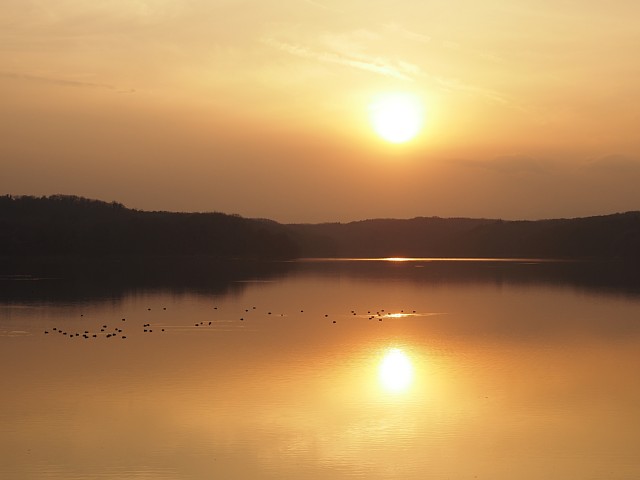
[267, 109]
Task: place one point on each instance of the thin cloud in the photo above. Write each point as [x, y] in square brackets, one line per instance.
[408, 34]
[458, 85]
[446, 44]
[451, 45]
[60, 81]
[377, 66]
[509, 164]
[491, 57]
[320, 5]
[615, 163]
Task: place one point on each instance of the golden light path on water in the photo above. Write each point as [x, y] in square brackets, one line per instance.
[395, 371]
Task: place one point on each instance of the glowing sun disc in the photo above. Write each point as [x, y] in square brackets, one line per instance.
[397, 118]
[396, 371]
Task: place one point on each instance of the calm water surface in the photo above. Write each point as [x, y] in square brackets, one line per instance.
[323, 370]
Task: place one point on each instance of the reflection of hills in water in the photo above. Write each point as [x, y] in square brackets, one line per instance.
[75, 279]
[605, 276]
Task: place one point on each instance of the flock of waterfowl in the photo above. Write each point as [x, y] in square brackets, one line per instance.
[104, 331]
[108, 331]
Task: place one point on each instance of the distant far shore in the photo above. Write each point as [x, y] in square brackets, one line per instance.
[67, 225]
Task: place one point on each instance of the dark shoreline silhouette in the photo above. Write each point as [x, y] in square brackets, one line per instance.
[615, 236]
[67, 225]
[76, 226]
[66, 247]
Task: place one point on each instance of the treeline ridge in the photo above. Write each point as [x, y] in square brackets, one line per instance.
[72, 225]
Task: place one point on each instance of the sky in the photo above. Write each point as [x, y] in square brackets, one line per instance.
[263, 107]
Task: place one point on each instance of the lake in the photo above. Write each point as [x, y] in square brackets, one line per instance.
[335, 369]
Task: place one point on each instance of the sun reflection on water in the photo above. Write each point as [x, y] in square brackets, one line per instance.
[396, 371]
[397, 315]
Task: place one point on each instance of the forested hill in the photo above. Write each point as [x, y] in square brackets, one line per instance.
[605, 237]
[71, 225]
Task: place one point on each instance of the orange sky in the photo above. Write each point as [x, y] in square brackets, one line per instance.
[260, 107]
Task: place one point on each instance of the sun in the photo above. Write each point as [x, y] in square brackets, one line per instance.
[397, 117]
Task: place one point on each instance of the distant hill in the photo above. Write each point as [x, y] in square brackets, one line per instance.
[71, 225]
[610, 236]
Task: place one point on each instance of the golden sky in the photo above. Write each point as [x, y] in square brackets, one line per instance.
[261, 107]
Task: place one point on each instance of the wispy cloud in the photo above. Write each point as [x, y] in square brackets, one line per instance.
[348, 52]
[491, 57]
[509, 164]
[320, 5]
[615, 163]
[458, 85]
[379, 66]
[408, 34]
[61, 81]
[446, 44]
